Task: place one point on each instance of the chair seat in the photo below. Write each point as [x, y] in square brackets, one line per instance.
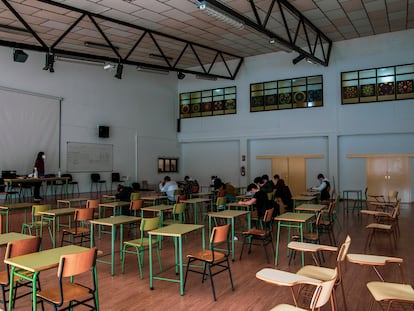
[315, 272]
[37, 224]
[255, 232]
[4, 279]
[77, 231]
[138, 243]
[391, 291]
[285, 307]
[71, 292]
[207, 255]
[283, 278]
[379, 226]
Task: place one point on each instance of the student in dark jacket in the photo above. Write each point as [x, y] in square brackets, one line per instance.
[124, 194]
[259, 199]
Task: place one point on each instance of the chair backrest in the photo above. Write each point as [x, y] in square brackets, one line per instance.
[180, 198]
[178, 208]
[36, 209]
[392, 196]
[268, 216]
[323, 292]
[219, 235]
[68, 176]
[82, 214]
[135, 196]
[270, 196]
[115, 177]
[77, 263]
[344, 249]
[22, 247]
[92, 203]
[136, 205]
[148, 224]
[95, 177]
[221, 201]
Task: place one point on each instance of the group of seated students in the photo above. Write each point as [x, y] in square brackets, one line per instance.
[279, 194]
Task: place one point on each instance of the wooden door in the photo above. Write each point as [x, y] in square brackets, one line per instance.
[293, 171]
[389, 173]
[280, 166]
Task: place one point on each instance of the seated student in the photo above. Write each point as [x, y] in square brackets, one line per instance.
[283, 192]
[268, 185]
[168, 186]
[124, 194]
[324, 187]
[259, 199]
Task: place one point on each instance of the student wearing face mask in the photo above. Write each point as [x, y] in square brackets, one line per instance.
[40, 167]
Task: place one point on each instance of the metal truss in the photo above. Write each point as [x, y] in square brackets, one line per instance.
[317, 46]
[229, 63]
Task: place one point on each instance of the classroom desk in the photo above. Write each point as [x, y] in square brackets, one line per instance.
[69, 202]
[154, 199]
[35, 263]
[177, 231]
[357, 202]
[229, 215]
[10, 181]
[11, 237]
[6, 209]
[201, 195]
[194, 203]
[55, 214]
[291, 220]
[303, 199]
[159, 209]
[115, 205]
[311, 208]
[113, 222]
[238, 206]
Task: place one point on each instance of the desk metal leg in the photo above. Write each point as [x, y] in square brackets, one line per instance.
[232, 238]
[180, 250]
[113, 250]
[277, 242]
[150, 261]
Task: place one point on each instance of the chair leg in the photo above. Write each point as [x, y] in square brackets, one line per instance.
[212, 282]
[244, 242]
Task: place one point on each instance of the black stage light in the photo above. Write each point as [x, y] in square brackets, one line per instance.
[119, 70]
[180, 75]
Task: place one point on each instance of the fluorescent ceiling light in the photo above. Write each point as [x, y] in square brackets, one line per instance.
[109, 66]
[99, 46]
[153, 70]
[213, 12]
[159, 56]
[73, 59]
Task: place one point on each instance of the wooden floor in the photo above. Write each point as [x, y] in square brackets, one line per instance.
[128, 292]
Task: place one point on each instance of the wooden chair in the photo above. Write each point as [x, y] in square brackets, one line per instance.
[135, 196]
[69, 292]
[326, 224]
[141, 244]
[265, 236]
[80, 231]
[37, 224]
[94, 204]
[324, 274]
[178, 215]
[14, 249]
[313, 249]
[135, 210]
[220, 204]
[390, 293]
[387, 226]
[212, 258]
[320, 297]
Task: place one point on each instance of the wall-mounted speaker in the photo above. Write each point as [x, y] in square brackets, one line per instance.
[178, 125]
[103, 131]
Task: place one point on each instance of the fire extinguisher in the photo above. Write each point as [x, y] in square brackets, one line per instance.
[243, 171]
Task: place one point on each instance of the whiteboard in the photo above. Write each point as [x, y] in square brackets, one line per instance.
[87, 157]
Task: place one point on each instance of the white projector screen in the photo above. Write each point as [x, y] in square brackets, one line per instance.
[29, 123]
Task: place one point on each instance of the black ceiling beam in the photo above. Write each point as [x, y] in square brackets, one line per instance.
[260, 26]
[52, 49]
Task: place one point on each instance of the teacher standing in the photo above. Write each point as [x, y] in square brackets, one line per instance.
[40, 166]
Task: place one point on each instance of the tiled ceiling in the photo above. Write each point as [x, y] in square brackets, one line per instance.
[169, 20]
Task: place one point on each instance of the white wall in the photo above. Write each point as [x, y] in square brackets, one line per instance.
[298, 131]
[141, 110]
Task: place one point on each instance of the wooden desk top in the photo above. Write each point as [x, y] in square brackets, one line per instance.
[114, 204]
[294, 217]
[43, 260]
[157, 208]
[372, 260]
[228, 213]
[16, 206]
[115, 220]
[154, 197]
[12, 236]
[195, 200]
[304, 197]
[72, 200]
[310, 207]
[22, 180]
[175, 230]
[59, 211]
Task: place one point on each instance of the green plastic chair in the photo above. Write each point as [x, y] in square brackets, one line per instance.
[37, 224]
[135, 196]
[139, 246]
[178, 215]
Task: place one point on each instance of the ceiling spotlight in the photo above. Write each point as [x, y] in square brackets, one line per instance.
[119, 70]
[310, 61]
[49, 63]
[19, 56]
[180, 75]
[272, 41]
